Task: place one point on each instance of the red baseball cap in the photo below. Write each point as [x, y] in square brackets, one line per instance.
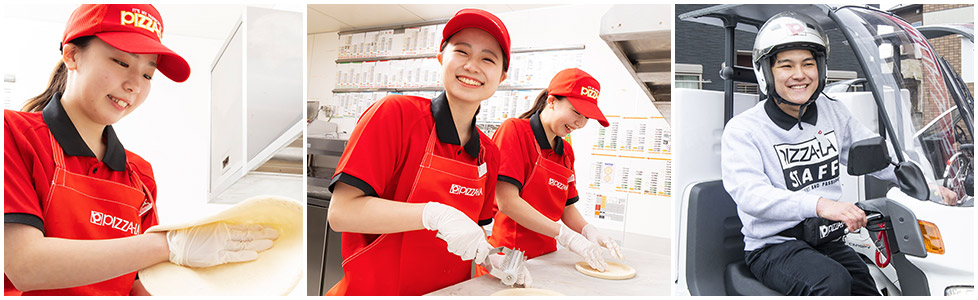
[477, 18]
[581, 89]
[133, 28]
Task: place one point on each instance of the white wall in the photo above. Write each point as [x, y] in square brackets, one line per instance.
[546, 27]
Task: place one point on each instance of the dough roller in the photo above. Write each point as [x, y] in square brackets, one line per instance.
[509, 270]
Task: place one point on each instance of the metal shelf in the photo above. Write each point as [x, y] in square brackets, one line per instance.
[431, 55]
[381, 58]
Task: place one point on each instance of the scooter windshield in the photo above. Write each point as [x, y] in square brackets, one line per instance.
[921, 96]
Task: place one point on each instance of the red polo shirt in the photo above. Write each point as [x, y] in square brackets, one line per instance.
[516, 139]
[29, 164]
[384, 152]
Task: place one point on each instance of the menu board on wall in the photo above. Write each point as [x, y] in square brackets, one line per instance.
[629, 161]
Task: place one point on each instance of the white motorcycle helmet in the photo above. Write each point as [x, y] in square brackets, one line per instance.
[787, 31]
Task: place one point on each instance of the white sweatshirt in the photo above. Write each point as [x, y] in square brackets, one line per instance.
[776, 171]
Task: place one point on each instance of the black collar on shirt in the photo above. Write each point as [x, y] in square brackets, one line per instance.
[71, 142]
[445, 126]
[785, 121]
[541, 135]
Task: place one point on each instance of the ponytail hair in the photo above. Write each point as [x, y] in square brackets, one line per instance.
[538, 104]
[58, 81]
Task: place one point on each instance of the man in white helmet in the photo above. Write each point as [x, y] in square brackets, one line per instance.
[781, 163]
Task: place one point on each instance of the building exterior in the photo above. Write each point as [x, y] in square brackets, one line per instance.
[699, 54]
[958, 52]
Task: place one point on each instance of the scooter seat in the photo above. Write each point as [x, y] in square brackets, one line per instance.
[741, 282]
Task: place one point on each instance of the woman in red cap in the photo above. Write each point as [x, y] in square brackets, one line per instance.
[76, 203]
[417, 179]
[537, 185]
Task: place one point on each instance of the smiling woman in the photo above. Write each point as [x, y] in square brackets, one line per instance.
[104, 85]
[74, 198]
[537, 181]
[397, 233]
[471, 63]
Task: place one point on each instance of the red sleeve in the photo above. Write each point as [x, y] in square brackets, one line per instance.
[512, 151]
[375, 146]
[21, 201]
[492, 167]
[572, 185]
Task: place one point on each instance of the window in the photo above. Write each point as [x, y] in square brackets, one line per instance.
[689, 76]
[744, 59]
[747, 88]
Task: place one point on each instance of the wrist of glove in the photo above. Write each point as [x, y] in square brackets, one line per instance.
[464, 237]
[594, 234]
[218, 243]
[580, 245]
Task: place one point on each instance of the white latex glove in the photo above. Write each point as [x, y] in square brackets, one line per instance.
[577, 243]
[524, 276]
[218, 243]
[594, 234]
[464, 237]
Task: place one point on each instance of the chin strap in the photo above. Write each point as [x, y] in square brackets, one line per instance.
[802, 107]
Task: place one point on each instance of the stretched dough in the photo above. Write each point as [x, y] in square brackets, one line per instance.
[275, 272]
[616, 271]
[526, 292]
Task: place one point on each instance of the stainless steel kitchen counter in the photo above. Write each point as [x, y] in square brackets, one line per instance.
[555, 271]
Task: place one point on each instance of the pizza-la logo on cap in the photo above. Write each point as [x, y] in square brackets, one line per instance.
[590, 92]
[140, 19]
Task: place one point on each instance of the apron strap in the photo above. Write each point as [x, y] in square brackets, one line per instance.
[430, 147]
[564, 157]
[148, 200]
[59, 154]
[59, 162]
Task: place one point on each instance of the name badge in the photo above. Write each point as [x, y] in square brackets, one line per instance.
[482, 169]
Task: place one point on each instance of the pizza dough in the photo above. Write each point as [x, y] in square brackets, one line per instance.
[616, 271]
[526, 292]
[275, 272]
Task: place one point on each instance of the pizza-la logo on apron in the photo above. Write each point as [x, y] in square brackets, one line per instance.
[557, 184]
[464, 190]
[118, 223]
[810, 164]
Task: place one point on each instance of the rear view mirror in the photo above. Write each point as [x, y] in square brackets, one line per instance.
[868, 156]
[911, 180]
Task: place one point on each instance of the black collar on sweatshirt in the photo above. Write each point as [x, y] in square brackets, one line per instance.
[786, 121]
[71, 142]
[541, 135]
[445, 126]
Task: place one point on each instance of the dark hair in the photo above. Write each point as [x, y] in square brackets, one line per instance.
[59, 78]
[538, 104]
[445, 44]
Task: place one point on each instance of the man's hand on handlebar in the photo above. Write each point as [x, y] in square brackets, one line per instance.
[853, 216]
[948, 196]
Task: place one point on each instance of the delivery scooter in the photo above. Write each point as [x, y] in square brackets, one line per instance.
[923, 113]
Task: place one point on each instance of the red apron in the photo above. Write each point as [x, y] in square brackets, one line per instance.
[84, 208]
[546, 190]
[416, 262]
